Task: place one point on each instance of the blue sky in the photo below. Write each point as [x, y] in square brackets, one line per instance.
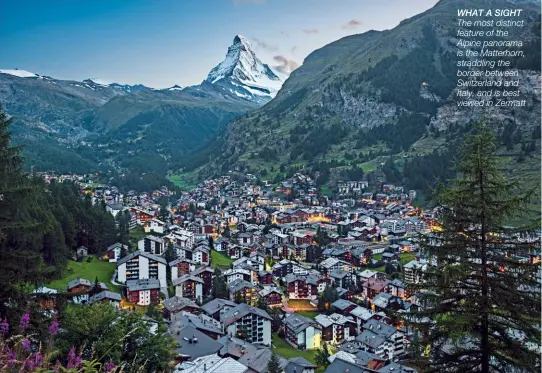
[160, 43]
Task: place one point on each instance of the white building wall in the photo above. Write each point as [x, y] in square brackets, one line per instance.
[162, 275]
[121, 273]
[174, 273]
[143, 267]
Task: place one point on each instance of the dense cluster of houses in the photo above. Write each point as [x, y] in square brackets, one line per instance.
[280, 251]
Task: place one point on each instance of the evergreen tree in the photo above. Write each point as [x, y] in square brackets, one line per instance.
[19, 263]
[211, 243]
[219, 288]
[328, 296]
[481, 301]
[273, 366]
[322, 355]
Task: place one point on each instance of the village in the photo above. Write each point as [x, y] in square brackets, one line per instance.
[240, 269]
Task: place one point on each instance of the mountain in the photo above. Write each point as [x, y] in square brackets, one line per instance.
[382, 101]
[243, 74]
[93, 124]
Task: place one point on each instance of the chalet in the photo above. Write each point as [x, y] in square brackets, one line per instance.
[154, 225]
[175, 305]
[389, 257]
[190, 287]
[114, 251]
[397, 288]
[343, 307]
[152, 245]
[234, 274]
[143, 292]
[250, 323]
[114, 208]
[265, 278]
[272, 296]
[206, 274]
[79, 288]
[201, 255]
[142, 265]
[302, 332]
[361, 315]
[235, 251]
[413, 271]
[302, 286]
[390, 334]
[332, 264]
[341, 278]
[180, 267]
[217, 307]
[106, 297]
[372, 287]
[336, 328]
[141, 215]
[242, 291]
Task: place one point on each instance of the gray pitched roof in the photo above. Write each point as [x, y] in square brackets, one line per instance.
[379, 328]
[204, 345]
[241, 311]
[188, 277]
[143, 284]
[131, 256]
[105, 295]
[235, 347]
[216, 305]
[257, 360]
[77, 282]
[176, 304]
[298, 322]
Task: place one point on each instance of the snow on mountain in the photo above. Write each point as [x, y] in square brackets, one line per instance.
[100, 81]
[243, 74]
[19, 73]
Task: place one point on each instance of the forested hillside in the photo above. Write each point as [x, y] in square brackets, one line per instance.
[41, 225]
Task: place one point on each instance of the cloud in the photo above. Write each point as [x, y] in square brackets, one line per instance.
[352, 24]
[285, 65]
[294, 49]
[284, 33]
[311, 31]
[264, 45]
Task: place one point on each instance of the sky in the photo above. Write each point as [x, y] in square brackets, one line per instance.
[160, 43]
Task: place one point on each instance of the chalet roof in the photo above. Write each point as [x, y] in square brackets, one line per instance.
[362, 313]
[216, 305]
[379, 328]
[77, 282]
[137, 253]
[185, 278]
[177, 304]
[243, 309]
[105, 295]
[203, 346]
[239, 284]
[143, 284]
[342, 304]
[298, 323]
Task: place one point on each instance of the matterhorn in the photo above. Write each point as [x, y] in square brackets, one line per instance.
[243, 74]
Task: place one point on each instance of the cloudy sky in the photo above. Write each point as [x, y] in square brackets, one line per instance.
[160, 43]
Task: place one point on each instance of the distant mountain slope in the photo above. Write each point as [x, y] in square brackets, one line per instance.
[94, 124]
[380, 96]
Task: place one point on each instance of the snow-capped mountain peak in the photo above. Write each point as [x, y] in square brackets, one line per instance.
[19, 73]
[244, 74]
